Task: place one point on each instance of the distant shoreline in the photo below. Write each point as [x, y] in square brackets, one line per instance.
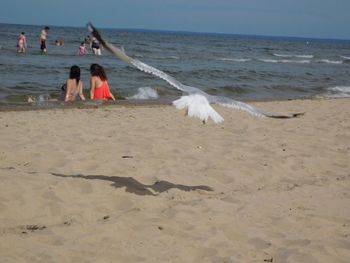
[184, 32]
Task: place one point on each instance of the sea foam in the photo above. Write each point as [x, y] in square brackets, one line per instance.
[235, 59]
[338, 91]
[145, 93]
[293, 56]
[285, 61]
[330, 61]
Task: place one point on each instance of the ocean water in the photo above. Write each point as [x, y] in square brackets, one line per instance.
[240, 67]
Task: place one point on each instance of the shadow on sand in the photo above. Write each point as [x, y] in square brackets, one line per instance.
[134, 186]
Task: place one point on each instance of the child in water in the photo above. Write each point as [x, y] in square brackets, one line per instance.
[59, 43]
[82, 49]
[22, 43]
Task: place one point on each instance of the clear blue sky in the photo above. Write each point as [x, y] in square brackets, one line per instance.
[303, 18]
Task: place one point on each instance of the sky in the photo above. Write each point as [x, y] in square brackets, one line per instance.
[299, 18]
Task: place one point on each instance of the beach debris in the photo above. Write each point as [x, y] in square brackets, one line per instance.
[67, 223]
[127, 156]
[197, 102]
[35, 227]
[8, 168]
[106, 217]
[22, 229]
[160, 227]
[268, 260]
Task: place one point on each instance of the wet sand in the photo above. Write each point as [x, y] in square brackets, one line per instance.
[147, 184]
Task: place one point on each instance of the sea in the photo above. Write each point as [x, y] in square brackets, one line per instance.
[241, 67]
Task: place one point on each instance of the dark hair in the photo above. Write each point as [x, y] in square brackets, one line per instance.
[82, 43]
[75, 73]
[97, 70]
[47, 28]
[23, 33]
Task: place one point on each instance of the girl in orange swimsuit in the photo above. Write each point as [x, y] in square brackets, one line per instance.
[99, 89]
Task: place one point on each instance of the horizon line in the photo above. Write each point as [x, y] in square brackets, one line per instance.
[196, 32]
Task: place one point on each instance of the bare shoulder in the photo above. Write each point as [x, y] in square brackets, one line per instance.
[68, 83]
[93, 79]
[96, 80]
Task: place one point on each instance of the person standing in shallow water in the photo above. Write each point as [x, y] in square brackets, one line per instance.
[42, 39]
[95, 45]
[22, 43]
[99, 89]
[82, 49]
[74, 86]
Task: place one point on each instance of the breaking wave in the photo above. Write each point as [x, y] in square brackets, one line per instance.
[293, 56]
[338, 91]
[285, 61]
[330, 61]
[145, 93]
[235, 59]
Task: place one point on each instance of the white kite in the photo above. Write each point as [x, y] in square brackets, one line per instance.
[197, 101]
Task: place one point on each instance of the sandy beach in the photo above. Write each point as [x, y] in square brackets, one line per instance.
[149, 184]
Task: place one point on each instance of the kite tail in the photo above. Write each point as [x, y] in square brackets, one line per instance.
[230, 103]
[158, 73]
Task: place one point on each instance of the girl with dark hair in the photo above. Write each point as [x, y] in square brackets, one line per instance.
[74, 86]
[99, 89]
